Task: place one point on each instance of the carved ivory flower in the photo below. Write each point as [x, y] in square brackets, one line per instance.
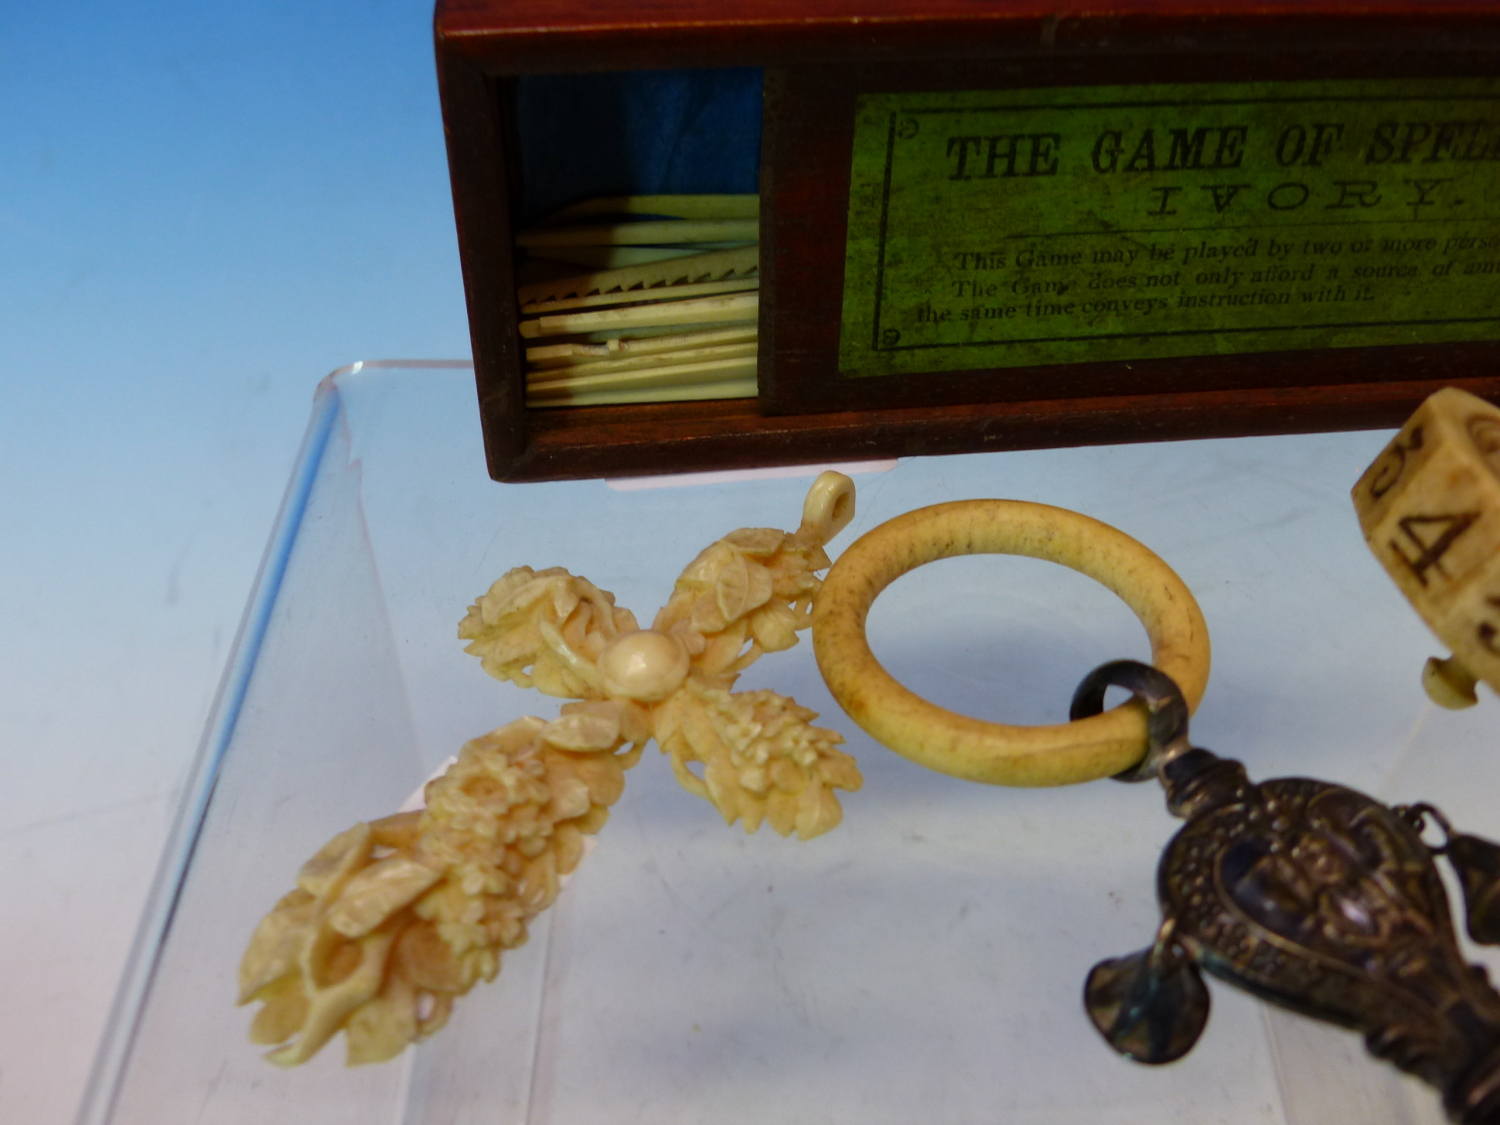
[391, 920]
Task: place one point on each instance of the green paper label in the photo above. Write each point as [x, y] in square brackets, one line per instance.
[1021, 227]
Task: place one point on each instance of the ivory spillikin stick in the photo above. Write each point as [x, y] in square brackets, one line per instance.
[705, 310]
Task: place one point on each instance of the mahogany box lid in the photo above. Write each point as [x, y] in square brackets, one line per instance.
[999, 224]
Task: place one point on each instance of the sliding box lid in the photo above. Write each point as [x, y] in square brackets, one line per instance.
[624, 21]
[822, 62]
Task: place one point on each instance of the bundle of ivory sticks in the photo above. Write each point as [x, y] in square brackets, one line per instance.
[644, 298]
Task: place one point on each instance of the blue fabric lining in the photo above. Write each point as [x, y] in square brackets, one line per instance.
[651, 132]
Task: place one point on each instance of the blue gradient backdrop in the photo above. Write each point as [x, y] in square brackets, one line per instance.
[204, 208]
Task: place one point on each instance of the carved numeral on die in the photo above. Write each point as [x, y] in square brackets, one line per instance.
[1394, 463]
[1486, 631]
[1419, 530]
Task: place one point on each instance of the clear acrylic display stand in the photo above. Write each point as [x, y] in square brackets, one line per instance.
[923, 962]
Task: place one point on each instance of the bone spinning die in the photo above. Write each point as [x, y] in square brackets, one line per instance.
[1429, 506]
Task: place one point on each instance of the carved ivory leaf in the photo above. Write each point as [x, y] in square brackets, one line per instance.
[392, 920]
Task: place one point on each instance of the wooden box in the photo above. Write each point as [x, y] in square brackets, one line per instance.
[999, 224]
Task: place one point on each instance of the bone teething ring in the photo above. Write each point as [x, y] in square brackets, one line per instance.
[1104, 745]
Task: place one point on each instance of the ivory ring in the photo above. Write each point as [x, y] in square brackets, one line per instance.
[996, 753]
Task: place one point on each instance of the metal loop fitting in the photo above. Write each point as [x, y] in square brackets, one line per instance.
[1166, 710]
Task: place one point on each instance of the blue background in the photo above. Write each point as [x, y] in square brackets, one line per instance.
[660, 132]
[204, 208]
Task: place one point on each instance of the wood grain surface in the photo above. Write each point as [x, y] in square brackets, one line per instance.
[818, 56]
